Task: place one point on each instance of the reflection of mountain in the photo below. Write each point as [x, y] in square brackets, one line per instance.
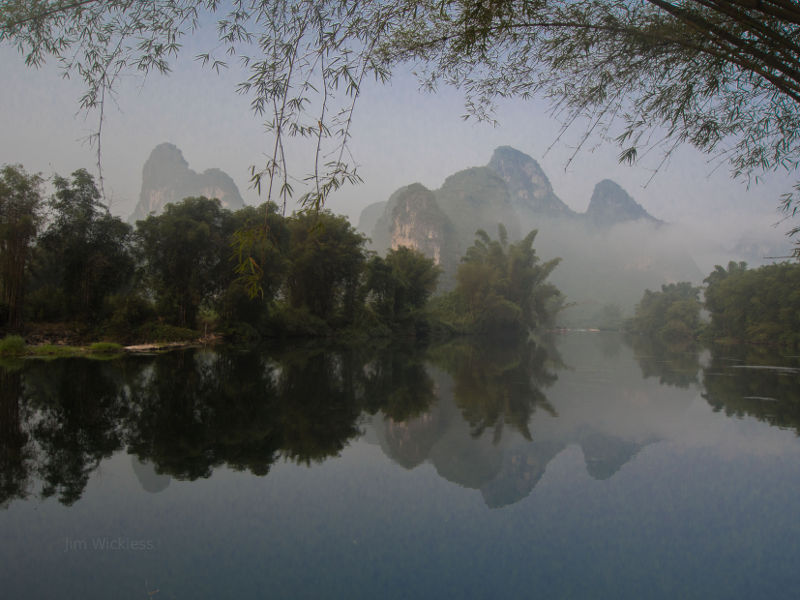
[525, 464]
[409, 443]
[485, 433]
[150, 480]
[505, 472]
[605, 454]
[487, 418]
[521, 470]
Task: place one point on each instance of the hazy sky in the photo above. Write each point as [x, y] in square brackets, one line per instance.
[400, 136]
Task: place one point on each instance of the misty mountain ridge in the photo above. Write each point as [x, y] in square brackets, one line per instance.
[611, 253]
[166, 177]
[610, 204]
[528, 187]
[512, 189]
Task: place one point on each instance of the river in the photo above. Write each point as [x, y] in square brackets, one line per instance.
[580, 466]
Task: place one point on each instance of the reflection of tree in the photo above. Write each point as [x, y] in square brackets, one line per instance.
[397, 384]
[498, 383]
[199, 410]
[318, 410]
[676, 364]
[189, 412]
[79, 421]
[755, 385]
[202, 410]
[15, 450]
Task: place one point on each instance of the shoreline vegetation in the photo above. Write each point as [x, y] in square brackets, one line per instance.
[174, 276]
[737, 305]
[14, 346]
[78, 274]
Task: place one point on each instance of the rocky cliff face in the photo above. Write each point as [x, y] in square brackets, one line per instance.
[512, 189]
[166, 177]
[473, 199]
[610, 204]
[418, 222]
[528, 187]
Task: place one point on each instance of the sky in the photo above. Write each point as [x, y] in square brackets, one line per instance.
[400, 136]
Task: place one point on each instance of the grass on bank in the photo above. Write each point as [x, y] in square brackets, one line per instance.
[14, 346]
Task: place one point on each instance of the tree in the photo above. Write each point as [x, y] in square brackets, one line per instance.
[85, 254]
[401, 283]
[671, 315]
[503, 286]
[326, 258]
[185, 251]
[719, 74]
[755, 305]
[20, 216]
[261, 241]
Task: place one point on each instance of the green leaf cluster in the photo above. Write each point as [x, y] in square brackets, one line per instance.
[501, 288]
[671, 316]
[250, 273]
[20, 219]
[84, 255]
[759, 306]
[400, 284]
[755, 305]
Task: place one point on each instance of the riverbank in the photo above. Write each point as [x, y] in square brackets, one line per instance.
[13, 346]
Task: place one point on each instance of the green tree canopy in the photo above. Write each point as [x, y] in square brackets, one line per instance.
[671, 315]
[401, 283]
[84, 255]
[326, 257]
[502, 287]
[755, 305]
[185, 252]
[20, 217]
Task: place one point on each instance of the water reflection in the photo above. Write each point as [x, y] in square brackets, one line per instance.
[15, 452]
[487, 417]
[151, 481]
[499, 383]
[748, 382]
[74, 413]
[743, 380]
[676, 365]
[185, 413]
[487, 395]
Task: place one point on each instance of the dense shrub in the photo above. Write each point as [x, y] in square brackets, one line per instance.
[670, 316]
[755, 305]
[12, 345]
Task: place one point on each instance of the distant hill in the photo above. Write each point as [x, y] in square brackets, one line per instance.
[166, 177]
[529, 189]
[370, 215]
[611, 253]
[610, 204]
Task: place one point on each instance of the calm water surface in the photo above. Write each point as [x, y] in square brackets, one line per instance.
[581, 467]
